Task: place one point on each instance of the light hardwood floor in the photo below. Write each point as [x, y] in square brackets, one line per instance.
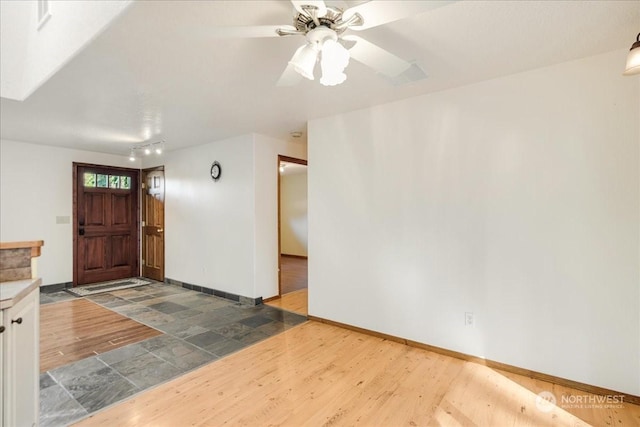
[320, 375]
[296, 302]
[77, 329]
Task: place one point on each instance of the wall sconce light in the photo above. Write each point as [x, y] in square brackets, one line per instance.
[633, 59]
[147, 149]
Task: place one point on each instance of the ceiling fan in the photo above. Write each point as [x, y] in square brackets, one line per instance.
[326, 28]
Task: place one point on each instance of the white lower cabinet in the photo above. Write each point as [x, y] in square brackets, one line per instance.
[19, 360]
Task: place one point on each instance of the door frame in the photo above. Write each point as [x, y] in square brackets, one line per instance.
[282, 158]
[74, 228]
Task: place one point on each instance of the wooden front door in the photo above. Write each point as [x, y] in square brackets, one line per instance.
[105, 223]
[153, 223]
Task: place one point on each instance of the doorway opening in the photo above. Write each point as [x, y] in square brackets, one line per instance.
[292, 235]
[105, 223]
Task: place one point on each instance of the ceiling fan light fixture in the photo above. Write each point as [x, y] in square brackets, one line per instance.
[304, 60]
[333, 79]
[335, 59]
[633, 59]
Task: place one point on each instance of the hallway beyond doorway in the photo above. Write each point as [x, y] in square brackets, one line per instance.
[293, 273]
[293, 282]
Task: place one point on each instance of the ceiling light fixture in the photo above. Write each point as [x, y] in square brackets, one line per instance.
[147, 149]
[633, 59]
[322, 42]
[304, 60]
[335, 59]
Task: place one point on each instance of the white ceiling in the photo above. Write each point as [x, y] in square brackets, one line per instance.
[159, 73]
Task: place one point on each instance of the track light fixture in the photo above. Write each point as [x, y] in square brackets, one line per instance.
[633, 59]
[147, 149]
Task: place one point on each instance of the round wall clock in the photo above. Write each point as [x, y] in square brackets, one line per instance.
[216, 171]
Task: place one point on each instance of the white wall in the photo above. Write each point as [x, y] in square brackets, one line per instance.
[293, 214]
[14, 19]
[31, 55]
[36, 186]
[517, 199]
[223, 235]
[209, 225]
[266, 204]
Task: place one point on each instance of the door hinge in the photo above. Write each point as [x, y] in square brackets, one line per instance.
[144, 223]
[143, 185]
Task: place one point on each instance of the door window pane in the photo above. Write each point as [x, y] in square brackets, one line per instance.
[101, 181]
[114, 181]
[125, 182]
[89, 179]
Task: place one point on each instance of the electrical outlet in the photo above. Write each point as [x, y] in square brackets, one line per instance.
[469, 319]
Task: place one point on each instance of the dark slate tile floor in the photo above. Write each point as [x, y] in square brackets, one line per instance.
[197, 329]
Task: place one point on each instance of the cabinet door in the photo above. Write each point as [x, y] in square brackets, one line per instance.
[22, 347]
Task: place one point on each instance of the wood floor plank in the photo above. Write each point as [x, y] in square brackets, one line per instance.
[77, 329]
[293, 274]
[296, 302]
[319, 374]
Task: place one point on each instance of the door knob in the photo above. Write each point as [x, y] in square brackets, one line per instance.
[18, 321]
[160, 230]
[1, 329]
[81, 231]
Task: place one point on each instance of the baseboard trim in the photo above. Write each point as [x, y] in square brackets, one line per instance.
[55, 287]
[271, 298]
[628, 398]
[215, 292]
[295, 256]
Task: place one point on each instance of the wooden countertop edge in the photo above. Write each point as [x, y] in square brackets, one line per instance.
[35, 246]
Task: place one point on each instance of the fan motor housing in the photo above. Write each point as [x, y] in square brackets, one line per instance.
[305, 23]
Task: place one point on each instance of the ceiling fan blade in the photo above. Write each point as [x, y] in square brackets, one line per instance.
[380, 12]
[322, 8]
[254, 31]
[376, 57]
